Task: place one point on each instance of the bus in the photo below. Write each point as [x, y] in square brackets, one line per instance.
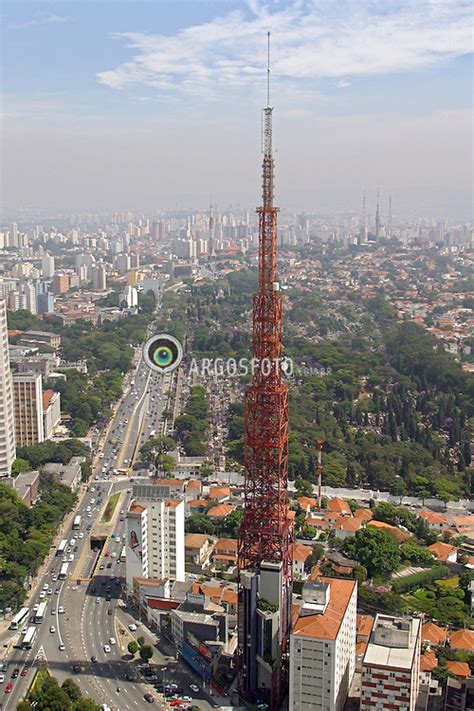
[20, 618]
[62, 547]
[77, 523]
[63, 572]
[29, 637]
[123, 554]
[40, 613]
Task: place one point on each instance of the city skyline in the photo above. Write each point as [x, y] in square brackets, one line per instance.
[365, 96]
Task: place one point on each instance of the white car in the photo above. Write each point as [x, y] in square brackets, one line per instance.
[106, 648]
[81, 535]
[61, 647]
[2, 678]
[42, 595]
[113, 555]
[132, 627]
[45, 586]
[194, 687]
[112, 641]
[52, 629]
[61, 610]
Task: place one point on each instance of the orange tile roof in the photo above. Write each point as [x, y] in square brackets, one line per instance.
[301, 552]
[47, 397]
[226, 544]
[315, 573]
[220, 511]
[364, 625]
[230, 596]
[339, 506]
[193, 484]
[172, 503]
[397, 532]
[346, 523]
[462, 639]
[361, 648]
[217, 492]
[428, 661]
[433, 518]
[168, 482]
[463, 521]
[441, 551]
[364, 514]
[307, 502]
[460, 669]
[326, 625]
[136, 508]
[198, 503]
[433, 634]
[195, 540]
[318, 522]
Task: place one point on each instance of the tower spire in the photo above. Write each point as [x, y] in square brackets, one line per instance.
[377, 216]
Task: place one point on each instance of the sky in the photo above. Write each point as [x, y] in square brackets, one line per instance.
[156, 104]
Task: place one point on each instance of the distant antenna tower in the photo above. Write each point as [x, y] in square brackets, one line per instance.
[389, 218]
[319, 468]
[211, 249]
[377, 216]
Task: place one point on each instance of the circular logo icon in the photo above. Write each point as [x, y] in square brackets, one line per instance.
[162, 353]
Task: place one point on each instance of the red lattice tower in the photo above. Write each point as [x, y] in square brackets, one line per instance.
[266, 532]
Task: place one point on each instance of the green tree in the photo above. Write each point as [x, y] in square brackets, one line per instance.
[146, 652]
[132, 647]
[141, 641]
[375, 549]
[71, 689]
[19, 466]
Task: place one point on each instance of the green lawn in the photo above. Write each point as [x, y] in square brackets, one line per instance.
[449, 583]
[110, 508]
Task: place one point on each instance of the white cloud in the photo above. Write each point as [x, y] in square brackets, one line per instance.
[48, 20]
[311, 39]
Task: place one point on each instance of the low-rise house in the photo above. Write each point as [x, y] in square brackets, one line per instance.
[400, 535]
[26, 486]
[307, 503]
[196, 548]
[300, 555]
[363, 514]
[220, 511]
[225, 552]
[443, 552]
[347, 527]
[339, 506]
[437, 521]
[428, 661]
[462, 639]
[197, 506]
[460, 670]
[219, 493]
[434, 635]
[68, 474]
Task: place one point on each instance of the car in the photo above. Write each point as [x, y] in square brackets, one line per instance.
[106, 648]
[76, 668]
[75, 536]
[52, 629]
[61, 647]
[108, 598]
[132, 627]
[93, 659]
[4, 667]
[106, 554]
[54, 578]
[15, 673]
[57, 591]
[97, 600]
[2, 678]
[113, 554]
[89, 528]
[53, 611]
[8, 688]
[194, 687]
[45, 586]
[81, 535]
[149, 698]
[101, 567]
[186, 698]
[112, 641]
[76, 548]
[110, 612]
[109, 565]
[60, 610]
[24, 671]
[42, 595]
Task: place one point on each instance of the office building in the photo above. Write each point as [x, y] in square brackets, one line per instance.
[323, 646]
[7, 424]
[51, 412]
[155, 540]
[391, 666]
[28, 408]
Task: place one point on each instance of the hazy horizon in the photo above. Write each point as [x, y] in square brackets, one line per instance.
[158, 105]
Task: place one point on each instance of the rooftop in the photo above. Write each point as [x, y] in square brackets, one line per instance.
[326, 625]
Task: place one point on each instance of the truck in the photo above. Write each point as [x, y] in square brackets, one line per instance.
[77, 523]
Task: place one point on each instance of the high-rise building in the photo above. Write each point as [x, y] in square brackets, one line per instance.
[155, 540]
[47, 266]
[99, 277]
[60, 283]
[14, 236]
[323, 646]
[7, 424]
[28, 408]
[391, 666]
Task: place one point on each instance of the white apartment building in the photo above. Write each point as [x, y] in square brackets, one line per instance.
[391, 666]
[7, 423]
[28, 408]
[323, 646]
[155, 540]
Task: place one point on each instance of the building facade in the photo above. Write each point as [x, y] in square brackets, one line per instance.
[323, 646]
[28, 408]
[155, 540]
[7, 423]
[391, 666]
